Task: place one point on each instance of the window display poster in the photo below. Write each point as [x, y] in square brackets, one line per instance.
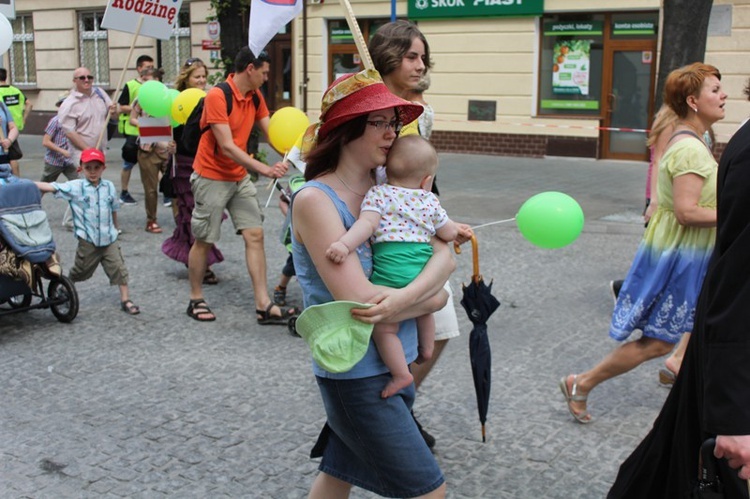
[571, 67]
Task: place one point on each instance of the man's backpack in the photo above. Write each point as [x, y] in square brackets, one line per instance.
[192, 131]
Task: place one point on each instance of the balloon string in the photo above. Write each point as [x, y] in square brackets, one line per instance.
[493, 223]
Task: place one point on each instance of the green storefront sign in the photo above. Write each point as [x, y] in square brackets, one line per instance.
[573, 28]
[570, 104]
[341, 35]
[634, 28]
[451, 9]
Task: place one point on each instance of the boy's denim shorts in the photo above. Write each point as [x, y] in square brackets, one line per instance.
[374, 443]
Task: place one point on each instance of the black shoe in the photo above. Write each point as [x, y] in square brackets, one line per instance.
[291, 325]
[428, 439]
[126, 198]
[614, 288]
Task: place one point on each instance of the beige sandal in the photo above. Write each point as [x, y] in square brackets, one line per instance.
[570, 396]
[667, 377]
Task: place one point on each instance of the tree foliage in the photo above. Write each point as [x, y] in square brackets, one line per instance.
[233, 16]
[683, 40]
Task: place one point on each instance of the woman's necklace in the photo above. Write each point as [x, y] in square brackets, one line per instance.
[347, 185]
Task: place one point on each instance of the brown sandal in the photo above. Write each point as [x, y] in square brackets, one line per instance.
[198, 310]
[129, 307]
[265, 317]
[210, 278]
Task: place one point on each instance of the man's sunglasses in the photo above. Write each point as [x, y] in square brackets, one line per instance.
[84, 78]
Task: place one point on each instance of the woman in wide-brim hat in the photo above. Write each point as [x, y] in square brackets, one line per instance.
[368, 441]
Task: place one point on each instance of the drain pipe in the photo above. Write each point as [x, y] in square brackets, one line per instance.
[305, 79]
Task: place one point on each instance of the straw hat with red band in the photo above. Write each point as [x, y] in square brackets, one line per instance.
[354, 95]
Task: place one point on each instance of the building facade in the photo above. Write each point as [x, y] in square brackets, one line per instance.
[511, 77]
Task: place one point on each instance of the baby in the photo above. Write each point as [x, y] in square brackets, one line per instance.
[401, 217]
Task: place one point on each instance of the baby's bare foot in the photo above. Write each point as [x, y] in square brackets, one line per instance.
[396, 384]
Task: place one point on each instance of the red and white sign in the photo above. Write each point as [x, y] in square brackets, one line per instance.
[154, 129]
[211, 44]
[159, 16]
[213, 28]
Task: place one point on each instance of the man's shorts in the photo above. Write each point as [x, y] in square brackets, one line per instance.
[212, 197]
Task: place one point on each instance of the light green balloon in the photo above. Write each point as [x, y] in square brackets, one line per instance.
[550, 220]
[172, 94]
[153, 96]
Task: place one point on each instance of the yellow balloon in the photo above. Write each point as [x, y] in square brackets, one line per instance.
[184, 103]
[285, 128]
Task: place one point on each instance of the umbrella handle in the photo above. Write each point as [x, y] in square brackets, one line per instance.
[476, 276]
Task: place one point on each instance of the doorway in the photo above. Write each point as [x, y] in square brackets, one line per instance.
[278, 89]
[628, 89]
[280, 79]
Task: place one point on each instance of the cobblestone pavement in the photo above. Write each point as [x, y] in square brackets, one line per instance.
[159, 405]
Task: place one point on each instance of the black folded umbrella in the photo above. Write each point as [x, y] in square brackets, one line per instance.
[479, 305]
[709, 486]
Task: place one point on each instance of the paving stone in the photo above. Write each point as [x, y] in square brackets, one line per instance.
[158, 405]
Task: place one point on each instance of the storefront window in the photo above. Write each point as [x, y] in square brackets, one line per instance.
[571, 65]
[577, 50]
[343, 56]
[339, 33]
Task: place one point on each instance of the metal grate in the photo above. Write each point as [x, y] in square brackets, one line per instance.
[22, 53]
[94, 47]
[175, 51]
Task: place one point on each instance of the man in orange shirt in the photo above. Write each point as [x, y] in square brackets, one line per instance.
[221, 182]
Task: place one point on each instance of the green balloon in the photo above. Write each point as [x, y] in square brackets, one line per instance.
[172, 94]
[153, 96]
[550, 220]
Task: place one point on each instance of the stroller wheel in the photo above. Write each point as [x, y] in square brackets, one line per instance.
[20, 301]
[63, 299]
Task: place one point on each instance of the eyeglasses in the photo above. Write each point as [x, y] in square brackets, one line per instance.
[192, 61]
[384, 126]
[84, 78]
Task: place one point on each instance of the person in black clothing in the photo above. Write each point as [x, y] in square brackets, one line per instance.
[710, 396]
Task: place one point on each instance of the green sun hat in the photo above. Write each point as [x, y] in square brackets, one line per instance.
[336, 339]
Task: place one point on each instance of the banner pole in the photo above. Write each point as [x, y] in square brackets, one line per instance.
[359, 40]
[118, 88]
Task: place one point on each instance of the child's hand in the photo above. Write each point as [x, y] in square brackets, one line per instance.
[337, 252]
[464, 233]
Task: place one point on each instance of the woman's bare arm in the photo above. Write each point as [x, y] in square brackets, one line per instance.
[687, 192]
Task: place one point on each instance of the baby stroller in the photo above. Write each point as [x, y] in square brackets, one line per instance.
[27, 255]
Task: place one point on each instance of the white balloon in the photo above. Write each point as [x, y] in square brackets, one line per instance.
[6, 34]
